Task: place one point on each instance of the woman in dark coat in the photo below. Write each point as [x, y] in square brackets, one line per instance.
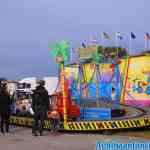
[4, 109]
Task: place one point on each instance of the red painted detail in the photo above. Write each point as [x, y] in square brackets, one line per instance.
[73, 109]
[112, 66]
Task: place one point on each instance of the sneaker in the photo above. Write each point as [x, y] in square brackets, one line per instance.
[7, 134]
[34, 134]
[52, 131]
[2, 133]
[41, 133]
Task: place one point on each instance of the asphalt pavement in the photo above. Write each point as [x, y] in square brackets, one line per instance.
[21, 138]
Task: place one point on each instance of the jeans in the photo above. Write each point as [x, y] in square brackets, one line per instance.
[55, 124]
[38, 123]
[4, 121]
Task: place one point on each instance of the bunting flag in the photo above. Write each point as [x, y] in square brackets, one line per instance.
[119, 36]
[147, 36]
[132, 35]
[105, 36]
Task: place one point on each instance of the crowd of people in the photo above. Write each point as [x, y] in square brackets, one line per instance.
[40, 106]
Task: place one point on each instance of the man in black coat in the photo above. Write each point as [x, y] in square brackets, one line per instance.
[5, 103]
[40, 105]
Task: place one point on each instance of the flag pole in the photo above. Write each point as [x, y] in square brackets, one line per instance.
[102, 38]
[130, 43]
[125, 74]
[146, 43]
[117, 44]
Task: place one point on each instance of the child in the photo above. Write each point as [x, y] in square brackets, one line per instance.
[54, 117]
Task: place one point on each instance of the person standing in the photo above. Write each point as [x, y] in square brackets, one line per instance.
[5, 103]
[40, 106]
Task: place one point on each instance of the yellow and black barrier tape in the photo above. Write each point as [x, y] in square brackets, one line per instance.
[26, 121]
[106, 125]
[88, 125]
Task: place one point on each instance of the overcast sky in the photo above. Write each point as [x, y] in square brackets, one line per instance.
[27, 27]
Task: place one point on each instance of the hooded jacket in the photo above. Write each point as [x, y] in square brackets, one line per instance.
[40, 100]
[5, 101]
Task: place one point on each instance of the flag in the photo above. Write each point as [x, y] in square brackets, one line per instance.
[105, 36]
[118, 36]
[147, 36]
[132, 35]
[83, 45]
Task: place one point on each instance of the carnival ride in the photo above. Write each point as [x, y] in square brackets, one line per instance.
[91, 93]
[22, 99]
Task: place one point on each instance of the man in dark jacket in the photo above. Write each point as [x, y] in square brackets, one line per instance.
[40, 105]
[5, 103]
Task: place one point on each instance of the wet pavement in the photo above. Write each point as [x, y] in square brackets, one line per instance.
[21, 139]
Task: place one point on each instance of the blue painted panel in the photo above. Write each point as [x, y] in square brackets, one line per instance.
[95, 113]
[105, 89]
[92, 90]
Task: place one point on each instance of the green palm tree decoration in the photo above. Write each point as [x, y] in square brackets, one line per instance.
[60, 51]
[96, 57]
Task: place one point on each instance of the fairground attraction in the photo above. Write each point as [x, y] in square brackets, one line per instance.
[100, 88]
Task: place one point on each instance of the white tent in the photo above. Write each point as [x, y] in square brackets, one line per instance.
[50, 83]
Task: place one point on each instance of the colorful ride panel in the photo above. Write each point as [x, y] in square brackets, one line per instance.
[136, 87]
